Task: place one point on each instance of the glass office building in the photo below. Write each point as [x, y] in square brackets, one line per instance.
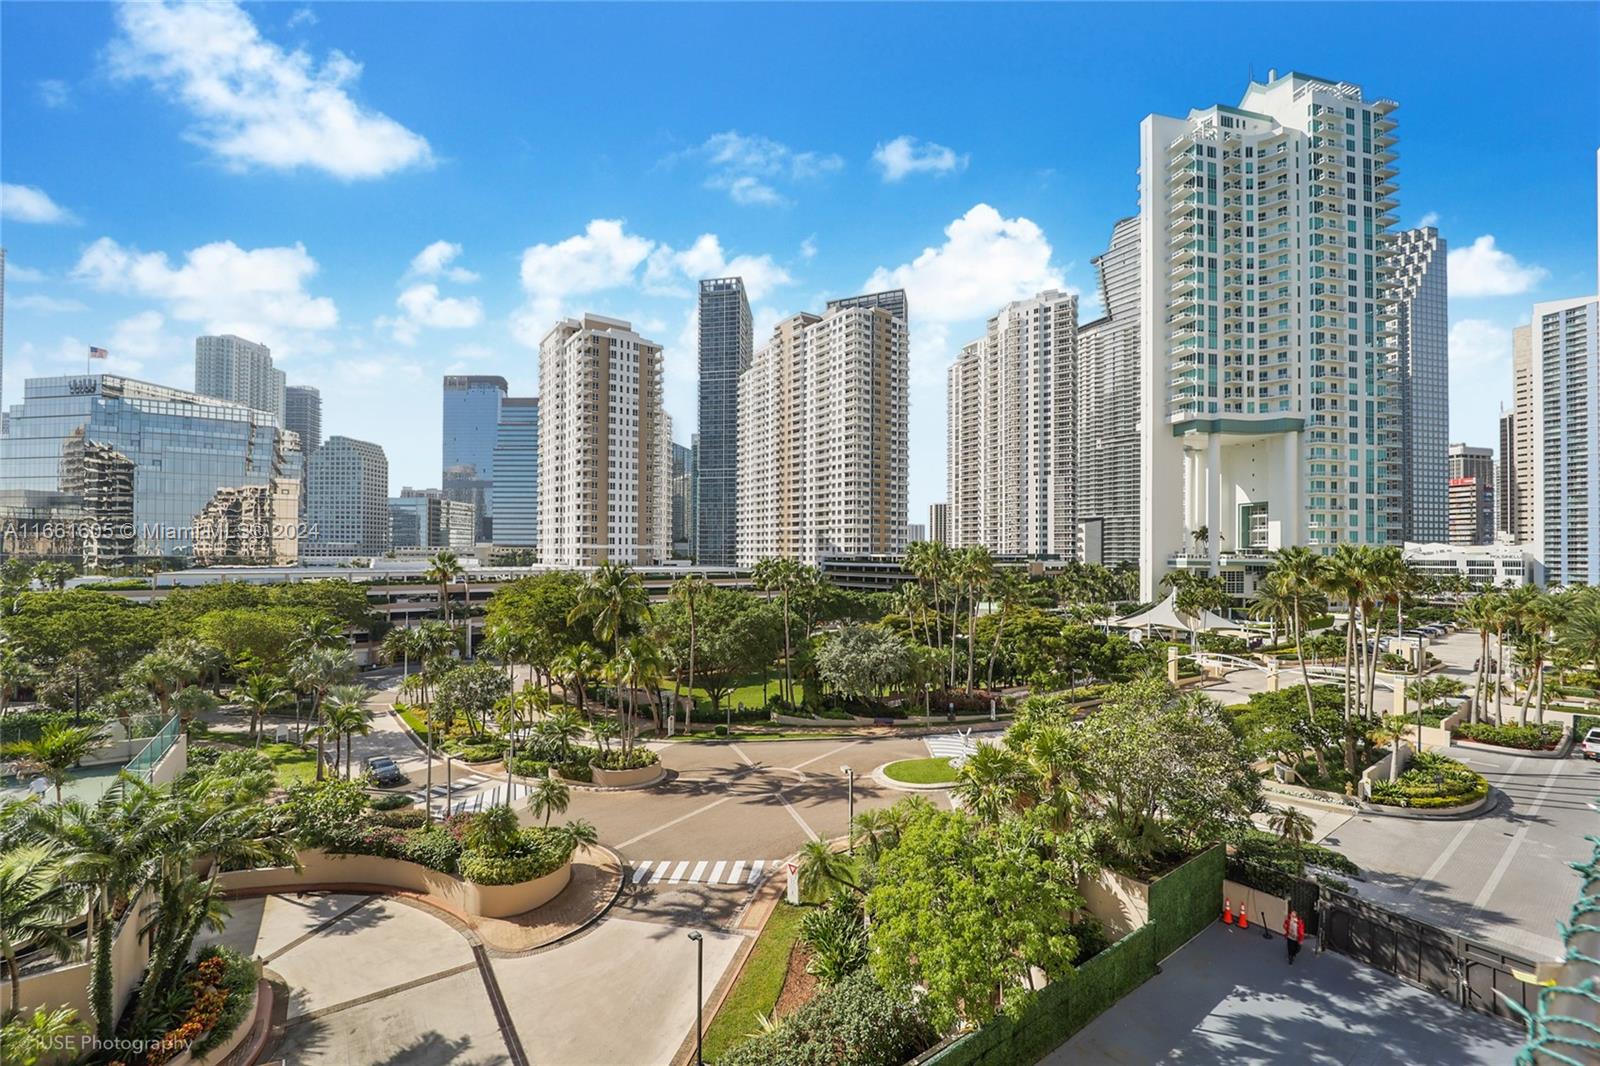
[514, 499]
[726, 346]
[139, 451]
[471, 424]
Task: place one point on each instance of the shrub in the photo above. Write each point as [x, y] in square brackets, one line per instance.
[530, 766]
[617, 759]
[432, 846]
[535, 853]
[1529, 737]
[404, 818]
[854, 1021]
[720, 731]
[477, 749]
[238, 979]
[577, 770]
[1265, 862]
[391, 801]
[1431, 781]
[1223, 644]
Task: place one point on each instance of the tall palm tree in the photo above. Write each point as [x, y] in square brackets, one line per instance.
[688, 591]
[401, 643]
[347, 717]
[780, 576]
[56, 751]
[875, 831]
[37, 908]
[259, 695]
[613, 600]
[640, 662]
[974, 571]
[1293, 826]
[928, 561]
[577, 666]
[821, 868]
[1296, 573]
[1480, 613]
[316, 672]
[1579, 634]
[1009, 590]
[991, 782]
[444, 568]
[1540, 619]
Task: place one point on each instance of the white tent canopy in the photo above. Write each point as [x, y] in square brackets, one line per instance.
[1165, 615]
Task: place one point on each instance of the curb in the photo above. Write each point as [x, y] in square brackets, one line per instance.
[886, 781]
[1489, 802]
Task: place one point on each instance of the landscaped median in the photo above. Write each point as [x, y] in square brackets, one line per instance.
[1548, 741]
[1432, 784]
[921, 772]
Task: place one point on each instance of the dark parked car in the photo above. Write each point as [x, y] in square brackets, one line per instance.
[384, 771]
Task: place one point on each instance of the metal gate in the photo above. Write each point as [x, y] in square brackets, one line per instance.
[1464, 970]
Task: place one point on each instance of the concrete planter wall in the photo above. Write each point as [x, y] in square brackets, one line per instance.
[1257, 903]
[1121, 903]
[67, 984]
[1560, 751]
[642, 775]
[322, 868]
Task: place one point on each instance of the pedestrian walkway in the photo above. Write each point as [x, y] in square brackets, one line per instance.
[721, 873]
[954, 746]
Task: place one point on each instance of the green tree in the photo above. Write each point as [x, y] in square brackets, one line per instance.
[862, 661]
[27, 1040]
[56, 751]
[688, 591]
[548, 796]
[471, 691]
[962, 913]
[259, 695]
[444, 568]
[346, 716]
[37, 908]
[319, 670]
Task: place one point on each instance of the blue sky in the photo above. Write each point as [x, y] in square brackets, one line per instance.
[389, 192]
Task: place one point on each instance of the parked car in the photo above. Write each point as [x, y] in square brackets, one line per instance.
[1590, 748]
[384, 771]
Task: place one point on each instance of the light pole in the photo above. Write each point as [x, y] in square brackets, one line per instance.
[699, 983]
[850, 794]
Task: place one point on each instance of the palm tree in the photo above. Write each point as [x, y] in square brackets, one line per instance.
[56, 751]
[1579, 634]
[401, 643]
[562, 729]
[444, 568]
[780, 576]
[346, 717]
[1480, 613]
[191, 702]
[928, 561]
[875, 831]
[1540, 619]
[320, 632]
[821, 867]
[30, 1039]
[548, 796]
[991, 782]
[1389, 732]
[37, 908]
[316, 672]
[688, 590]
[1294, 578]
[1010, 590]
[613, 600]
[577, 666]
[260, 694]
[163, 671]
[974, 570]
[577, 834]
[642, 664]
[1293, 826]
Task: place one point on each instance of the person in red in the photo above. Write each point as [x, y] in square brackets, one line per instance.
[1294, 931]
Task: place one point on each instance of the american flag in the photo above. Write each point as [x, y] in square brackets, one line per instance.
[97, 353]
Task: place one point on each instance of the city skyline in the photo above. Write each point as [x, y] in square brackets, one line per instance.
[325, 265]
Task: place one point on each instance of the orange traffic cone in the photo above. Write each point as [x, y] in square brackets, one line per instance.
[1227, 911]
[1244, 918]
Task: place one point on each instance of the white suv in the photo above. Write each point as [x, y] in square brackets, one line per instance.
[1590, 748]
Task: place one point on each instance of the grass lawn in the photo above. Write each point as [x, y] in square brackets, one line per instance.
[756, 991]
[293, 765]
[935, 771]
[415, 718]
[747, 694]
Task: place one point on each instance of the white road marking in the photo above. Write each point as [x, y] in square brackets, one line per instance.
[1500, 868]
[642, 871]
[716, 871]
[699, 869]
[677, 875]
[755, 871]
[733, 875]
[1444, 857]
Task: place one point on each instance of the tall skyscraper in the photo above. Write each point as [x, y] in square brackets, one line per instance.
[1526, 422]
[1012, 408]
[726, 342]
[302, 412]
[471, 424]
[2, 340]
[822, 434]
[1267, 372]
[1505, 477]
[1422, 333]
[1470, 495]
[232, 368]
[604, 460]
[347, 500]
[939, 523]
[683, 500]
[1108, 496]
[515, 497]
[1565, 343]
[142, 456]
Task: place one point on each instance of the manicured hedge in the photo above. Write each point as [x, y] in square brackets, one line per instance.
[1187, 899]
[854, 1022]
[1061, 1008]
[1431, 782]
[1264, 862]
[1529, 737]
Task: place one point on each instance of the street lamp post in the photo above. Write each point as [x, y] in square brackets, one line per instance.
[699, 998]
[850, 794]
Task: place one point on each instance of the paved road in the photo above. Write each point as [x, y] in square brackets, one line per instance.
[1230, 998]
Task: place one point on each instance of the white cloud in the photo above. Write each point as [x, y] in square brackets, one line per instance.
[258, 293]
[604, 256]
[985, 261]
[27, 203]
[667, 270]
[434, 261]
[808, 248]
[422, 307]
[906, 155]
[302, 17]
[1478, 345]
[1429, 219]
[140, 337]
[18, 272]
[54, 93]
[254, 103]
[749, 167]
[1481, 269]
[47, 305]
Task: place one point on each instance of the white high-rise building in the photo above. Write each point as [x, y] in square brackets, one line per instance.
[822, 434]
[604, 446]
[232, 368]
[1518, 459]
[1565, 343]
[1267, 376]
[1012, 409]
[347, 500]
[1422, 337]
[1107, 466]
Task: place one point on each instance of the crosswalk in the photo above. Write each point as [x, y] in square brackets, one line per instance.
[954, 746]
[466, 792]
[720, 873]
